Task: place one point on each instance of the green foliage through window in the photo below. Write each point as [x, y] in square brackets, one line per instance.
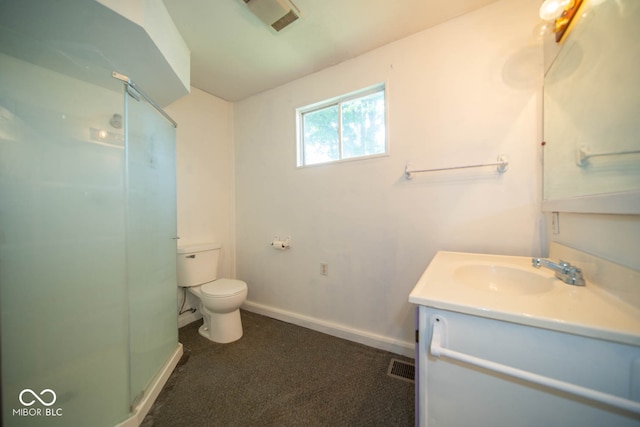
[350, 127]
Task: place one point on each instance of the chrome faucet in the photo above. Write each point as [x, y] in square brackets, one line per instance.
[564, 271]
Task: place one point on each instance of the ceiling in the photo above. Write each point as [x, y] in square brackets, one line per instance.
[235, 55]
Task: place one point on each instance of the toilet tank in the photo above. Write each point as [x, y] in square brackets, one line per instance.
[197, 264]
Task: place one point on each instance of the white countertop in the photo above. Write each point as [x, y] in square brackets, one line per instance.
[582, 310]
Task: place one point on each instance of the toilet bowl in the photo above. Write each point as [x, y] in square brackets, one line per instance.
[219, 300]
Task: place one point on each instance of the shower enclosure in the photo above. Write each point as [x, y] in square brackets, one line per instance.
[87, 240]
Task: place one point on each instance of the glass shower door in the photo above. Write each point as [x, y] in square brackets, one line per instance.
[151, 244]
[87, 250]
[63, 296]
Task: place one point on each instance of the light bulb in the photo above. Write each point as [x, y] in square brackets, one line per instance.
[552, 9]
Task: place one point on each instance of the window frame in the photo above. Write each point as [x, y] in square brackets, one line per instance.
[338, 101]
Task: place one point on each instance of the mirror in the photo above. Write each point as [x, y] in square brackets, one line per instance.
[592, 113]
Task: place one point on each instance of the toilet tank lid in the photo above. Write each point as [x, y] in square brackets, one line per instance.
[198, 247]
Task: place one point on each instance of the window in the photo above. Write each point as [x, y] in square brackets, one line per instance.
[352, 126]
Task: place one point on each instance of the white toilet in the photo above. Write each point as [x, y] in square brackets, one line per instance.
[219, 300]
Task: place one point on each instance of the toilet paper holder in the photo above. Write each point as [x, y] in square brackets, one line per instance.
[278, 243]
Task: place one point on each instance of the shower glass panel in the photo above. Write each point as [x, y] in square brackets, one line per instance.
[151, 244]
[87, 240]
[63, 278]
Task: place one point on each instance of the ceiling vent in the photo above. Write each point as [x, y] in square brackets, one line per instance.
[277, 14]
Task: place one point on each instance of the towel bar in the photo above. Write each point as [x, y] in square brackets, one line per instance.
[501, 166]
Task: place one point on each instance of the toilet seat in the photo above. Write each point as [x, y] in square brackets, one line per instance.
[223, 288]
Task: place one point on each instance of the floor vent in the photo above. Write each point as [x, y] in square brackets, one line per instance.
[402, 370]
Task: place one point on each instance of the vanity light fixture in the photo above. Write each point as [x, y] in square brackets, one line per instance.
[553, 9]
[561, 12]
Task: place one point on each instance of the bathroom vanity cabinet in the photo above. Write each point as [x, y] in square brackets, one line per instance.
[458, 394]
[493, 354]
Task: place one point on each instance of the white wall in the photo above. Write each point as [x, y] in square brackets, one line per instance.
[459, 93]
[205, 174]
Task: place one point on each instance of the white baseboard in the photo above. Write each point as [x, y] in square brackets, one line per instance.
[153, 391]
[186, 318]
[341, 331]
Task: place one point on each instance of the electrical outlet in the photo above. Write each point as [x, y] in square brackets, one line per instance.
[324, 269]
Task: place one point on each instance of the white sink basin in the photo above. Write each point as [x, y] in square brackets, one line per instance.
[508, 288]
[502, 279]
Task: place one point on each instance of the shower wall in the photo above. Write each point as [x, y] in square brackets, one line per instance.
[87, 249]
